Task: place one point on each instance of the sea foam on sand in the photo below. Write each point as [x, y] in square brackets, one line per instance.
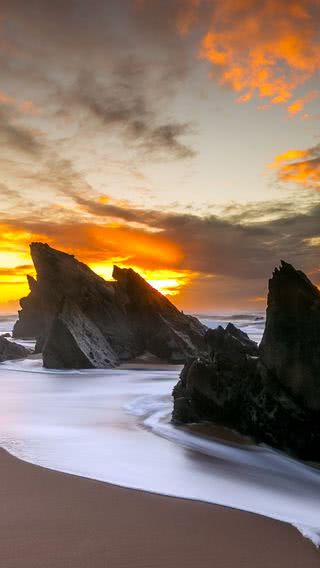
[114, 426]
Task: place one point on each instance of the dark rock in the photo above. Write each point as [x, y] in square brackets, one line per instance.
[231, 341]
[86, 346]
[10, 350]
[234, 387]
[250, 346]
[30, 323]
[290, 348]
[88, 322]
[158, 326]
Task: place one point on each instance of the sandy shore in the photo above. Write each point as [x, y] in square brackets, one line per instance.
[53, 520]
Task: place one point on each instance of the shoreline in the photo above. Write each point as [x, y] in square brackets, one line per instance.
[55, 520]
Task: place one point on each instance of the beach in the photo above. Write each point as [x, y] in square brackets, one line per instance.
[96, 456]
[54, 520]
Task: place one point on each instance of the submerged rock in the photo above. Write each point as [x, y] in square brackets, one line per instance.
[10, 350]
[81, 320]
[246, 389]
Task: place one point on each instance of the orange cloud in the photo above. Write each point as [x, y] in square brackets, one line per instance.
[298, 105]
[301, 167]
[288, 156]
[263, 48]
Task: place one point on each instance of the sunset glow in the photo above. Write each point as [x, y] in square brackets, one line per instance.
[185, 146]
[168, 282]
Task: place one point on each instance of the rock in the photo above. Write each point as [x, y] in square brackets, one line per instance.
[290, 347]
[158, 326]
[88, 322]
[234, 387]
[30, 323]
[10, 350]
[231, 341]
[86, 346]
[250, 346]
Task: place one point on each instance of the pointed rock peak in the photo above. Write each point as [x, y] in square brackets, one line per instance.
[129, 279]
[42, 253]
[286, 281]
[290, 346]
[32, 283]
[125, 274]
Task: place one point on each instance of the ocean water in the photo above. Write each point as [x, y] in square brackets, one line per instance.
[114, 426]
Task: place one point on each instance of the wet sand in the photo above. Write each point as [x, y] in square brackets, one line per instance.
[54, 520]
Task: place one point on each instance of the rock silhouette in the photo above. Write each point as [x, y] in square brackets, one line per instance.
[290, 346]
[271, 394]
[82, 321]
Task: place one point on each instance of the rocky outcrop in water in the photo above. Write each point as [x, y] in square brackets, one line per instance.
[10, 350]
[290, 348]
[265, 393]
[82, 321]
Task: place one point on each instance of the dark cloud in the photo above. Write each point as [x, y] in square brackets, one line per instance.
[125, 80]
[123, 105]
[17, 136]
[212, 245]
[246, 243]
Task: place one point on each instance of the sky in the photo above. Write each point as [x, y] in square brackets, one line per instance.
[178, 137]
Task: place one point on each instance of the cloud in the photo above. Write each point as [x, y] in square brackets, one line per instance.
[17, 136]
[299, 167]
[96, 68]
[123, 105]
[210, 245]
[263, 48]
[228, 260]
[298, 105]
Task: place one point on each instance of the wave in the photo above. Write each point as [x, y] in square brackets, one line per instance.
[114, 426]
[259, 462]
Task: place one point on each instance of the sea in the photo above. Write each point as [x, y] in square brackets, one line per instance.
[114, 426]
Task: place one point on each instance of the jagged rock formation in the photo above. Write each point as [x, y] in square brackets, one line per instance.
[253, 391]
[158, 326]
[290, 347]
[80, 320]
[10, 350]
[30, 322]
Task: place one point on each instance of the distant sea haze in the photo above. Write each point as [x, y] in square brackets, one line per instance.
[252, 323]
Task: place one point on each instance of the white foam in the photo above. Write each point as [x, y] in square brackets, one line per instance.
[113, 425]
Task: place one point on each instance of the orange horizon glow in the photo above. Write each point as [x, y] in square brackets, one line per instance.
[14, 286]
[153, 257]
